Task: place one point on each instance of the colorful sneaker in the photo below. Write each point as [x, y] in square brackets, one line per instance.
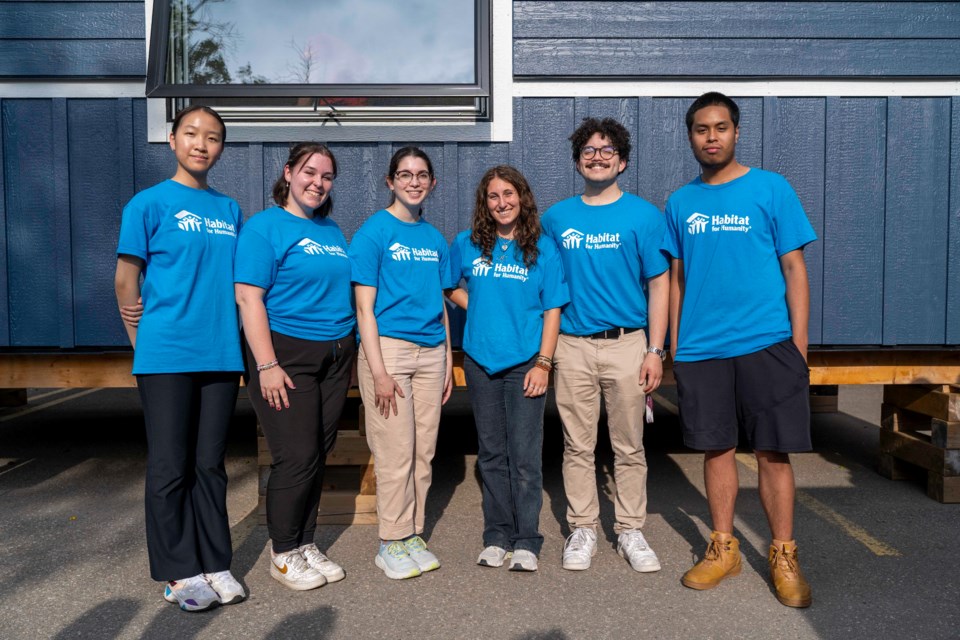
[396, 562]
[316, 559]
[192, 594]
[492, 556]
[417, 548]
[633, 546]
[291, 570]
[523, 560]
[228, 589]
[581, 545]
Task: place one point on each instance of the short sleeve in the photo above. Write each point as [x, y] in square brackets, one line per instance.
[554, 292]
[653, 261]
[136, 227]
[256, 261]
[364, 260]
[792, 229]
[671, 244]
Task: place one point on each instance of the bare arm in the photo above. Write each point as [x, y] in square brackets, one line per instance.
[126, 283]
[676, 301]
[256, 327]
[798, 297]
[536, 381]
[384, 385]
[448, 376]
[658, 311]
[458, 296]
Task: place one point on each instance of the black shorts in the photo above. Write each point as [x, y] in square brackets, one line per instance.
[767, 393]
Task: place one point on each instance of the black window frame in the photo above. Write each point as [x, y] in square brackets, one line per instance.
[158, 87]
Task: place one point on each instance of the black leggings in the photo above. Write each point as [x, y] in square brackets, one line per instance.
[301, 437]
[187, 416]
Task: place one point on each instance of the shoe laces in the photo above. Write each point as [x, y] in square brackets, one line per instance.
[312, 553]
[634, 540]
[578, 540]
[786, 561]
[397, 550]
[295, 560]
[415, 543]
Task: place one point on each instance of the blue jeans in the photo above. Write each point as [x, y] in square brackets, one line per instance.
[510, 434]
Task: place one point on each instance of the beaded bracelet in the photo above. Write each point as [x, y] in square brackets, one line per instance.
[545, 363]
[541, 365]
[269, 365]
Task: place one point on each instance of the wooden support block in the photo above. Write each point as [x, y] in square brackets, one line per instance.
[368, 481]
[917, 450]
[923, 399]
[362, 420]
[351, 448]
[347, 508]
[13, 397]
[894, 418]
[824, 398]
[944, 488]
[894, 469]
[945, 435]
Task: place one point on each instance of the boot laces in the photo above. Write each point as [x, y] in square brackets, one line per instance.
[787, 562]
[714, 550]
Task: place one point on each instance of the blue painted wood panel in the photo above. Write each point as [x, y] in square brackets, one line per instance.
[853, 238]
[72, 20]
[917, 221]
[72, 58]
[953, 257]
[4, 293]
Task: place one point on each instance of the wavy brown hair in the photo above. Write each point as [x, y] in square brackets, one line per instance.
[483, 232]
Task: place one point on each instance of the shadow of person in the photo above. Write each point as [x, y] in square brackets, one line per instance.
[457, 439]
[318, 623]
[106, 620]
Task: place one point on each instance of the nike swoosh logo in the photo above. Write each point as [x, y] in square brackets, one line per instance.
[283, 570]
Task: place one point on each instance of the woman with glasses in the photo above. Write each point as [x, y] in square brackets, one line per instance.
[292, 279]
[513, 292]
[179, 236]
[400, 267]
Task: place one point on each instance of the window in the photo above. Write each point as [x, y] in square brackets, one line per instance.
[330, 59]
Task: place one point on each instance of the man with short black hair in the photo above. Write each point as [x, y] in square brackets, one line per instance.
[610, 246]
[739, 308]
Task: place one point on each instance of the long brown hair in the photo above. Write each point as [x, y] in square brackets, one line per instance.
[483, 231]
[299, 154]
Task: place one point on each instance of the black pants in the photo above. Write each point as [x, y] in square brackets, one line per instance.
[187, 416]
[301, 437]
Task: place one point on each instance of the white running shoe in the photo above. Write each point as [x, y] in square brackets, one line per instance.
[394, 560]
[291, 570]
[228, 589]
[192, 594]
[633, 546]
[523, 560]
[493, 556]
[316, 559]
[580, 546]
[417, 548]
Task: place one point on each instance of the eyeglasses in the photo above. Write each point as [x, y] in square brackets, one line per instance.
[405, 177]
[588, 153]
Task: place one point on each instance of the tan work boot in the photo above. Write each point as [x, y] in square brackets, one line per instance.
[789, 584]
[722, 560]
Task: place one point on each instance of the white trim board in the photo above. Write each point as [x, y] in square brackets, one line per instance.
[813, 87]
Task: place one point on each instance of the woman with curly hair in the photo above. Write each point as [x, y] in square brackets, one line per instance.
[512, 291]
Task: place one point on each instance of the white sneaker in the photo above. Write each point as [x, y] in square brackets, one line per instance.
[492, 556]
[192, 594]
[417, 548]
[633, 546]
[228, 589]
[523, 560]
[580, 546]
[291, 570]
[316, 559]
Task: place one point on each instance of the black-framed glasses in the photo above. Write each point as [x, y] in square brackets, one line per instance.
[607, 152]
[406, 177]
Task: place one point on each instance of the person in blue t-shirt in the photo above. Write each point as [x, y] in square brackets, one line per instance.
[513, 292]
[609, 244]
[400, 267]
[180, 236]
[739, 308]
[292, 275]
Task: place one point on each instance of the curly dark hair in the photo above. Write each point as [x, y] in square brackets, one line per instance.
[609, 128]
[526, 234]
[299, 154]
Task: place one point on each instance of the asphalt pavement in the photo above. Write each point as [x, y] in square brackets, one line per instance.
[882, 557]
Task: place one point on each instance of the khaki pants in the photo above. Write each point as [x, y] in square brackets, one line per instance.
[585, 368]
[403, 445]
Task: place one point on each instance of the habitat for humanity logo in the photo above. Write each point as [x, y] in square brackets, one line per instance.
[480, 267]
[192, 222]
[571, 239]
[697, 223]
[188, 221]
[401, 253]
[311, 247]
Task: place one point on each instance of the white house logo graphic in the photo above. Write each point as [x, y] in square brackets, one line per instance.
[480, 267]
[697, 223]
[571, 239]
[189, 221]
[311, 247]
[399, 252]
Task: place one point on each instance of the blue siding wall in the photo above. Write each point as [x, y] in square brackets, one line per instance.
[72, 39]
[578, 38]
[878, 177]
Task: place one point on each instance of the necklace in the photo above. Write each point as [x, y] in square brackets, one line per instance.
[504, 244]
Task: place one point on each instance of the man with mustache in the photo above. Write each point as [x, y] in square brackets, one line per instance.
[739, 308]
[610, 247]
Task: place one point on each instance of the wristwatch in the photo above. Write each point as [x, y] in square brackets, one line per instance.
[657, 351]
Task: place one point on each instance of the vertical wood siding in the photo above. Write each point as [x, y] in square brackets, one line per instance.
[879, 179]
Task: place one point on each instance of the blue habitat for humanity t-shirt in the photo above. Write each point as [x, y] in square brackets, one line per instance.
[607, 252]
[303, 265]
[506, 300]
[408, 263]
[730, 237]
[186, 238]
